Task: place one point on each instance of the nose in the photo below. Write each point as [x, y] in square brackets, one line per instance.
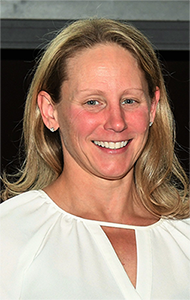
[115, 119]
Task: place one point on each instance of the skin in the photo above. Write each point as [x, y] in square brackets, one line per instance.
[104, 99]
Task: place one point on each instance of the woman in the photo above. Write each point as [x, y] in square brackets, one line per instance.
[103, 210]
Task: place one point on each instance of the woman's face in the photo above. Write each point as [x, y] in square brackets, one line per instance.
[104, 112]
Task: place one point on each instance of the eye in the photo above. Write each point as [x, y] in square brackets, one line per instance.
[92, 102]
[128, 101]
[94, 105]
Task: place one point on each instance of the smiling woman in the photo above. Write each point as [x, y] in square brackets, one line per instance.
[101, 186]
[109, 74]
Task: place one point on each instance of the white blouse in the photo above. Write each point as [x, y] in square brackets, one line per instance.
[47, 253]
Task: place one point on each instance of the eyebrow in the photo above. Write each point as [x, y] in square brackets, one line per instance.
[100, 91]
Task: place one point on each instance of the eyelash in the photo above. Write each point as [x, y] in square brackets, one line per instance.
[92, 102]
[128, 101]
[96, 104]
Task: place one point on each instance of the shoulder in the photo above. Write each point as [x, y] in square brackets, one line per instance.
[24, 221]
[175, 234]
[21, 200]
[22, 215]
[21, 206]
[178, 227]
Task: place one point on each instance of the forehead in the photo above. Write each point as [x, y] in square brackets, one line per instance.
[102, 63]
[100, 56]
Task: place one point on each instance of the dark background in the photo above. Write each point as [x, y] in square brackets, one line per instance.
[16, 76]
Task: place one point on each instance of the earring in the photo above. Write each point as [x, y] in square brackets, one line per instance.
[150, 124]
[52, 129]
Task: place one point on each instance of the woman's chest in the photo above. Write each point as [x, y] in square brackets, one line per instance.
[124, 243]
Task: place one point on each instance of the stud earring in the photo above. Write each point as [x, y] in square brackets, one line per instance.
[52, 129]
[150, 124]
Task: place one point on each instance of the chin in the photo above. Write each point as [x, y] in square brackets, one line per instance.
[114, 175]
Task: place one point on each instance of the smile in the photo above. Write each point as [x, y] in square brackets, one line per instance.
[111, 145]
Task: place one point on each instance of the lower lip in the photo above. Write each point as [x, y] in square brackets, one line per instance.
[114, 151]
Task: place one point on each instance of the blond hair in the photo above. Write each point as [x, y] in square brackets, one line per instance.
[160, 180]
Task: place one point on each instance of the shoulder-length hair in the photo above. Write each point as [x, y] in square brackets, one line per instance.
[160, 181]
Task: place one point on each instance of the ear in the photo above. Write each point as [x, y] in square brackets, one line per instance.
[48, 111]
[154, 104]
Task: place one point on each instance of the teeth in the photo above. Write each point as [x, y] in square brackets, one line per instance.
[111, 145]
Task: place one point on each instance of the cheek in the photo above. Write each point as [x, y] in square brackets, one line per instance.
[139, 120]
[88, 121]
[79, 123]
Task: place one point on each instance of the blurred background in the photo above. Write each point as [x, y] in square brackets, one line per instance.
[27, 26]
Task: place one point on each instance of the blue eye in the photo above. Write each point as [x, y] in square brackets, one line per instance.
[92, 102]
[128, 101]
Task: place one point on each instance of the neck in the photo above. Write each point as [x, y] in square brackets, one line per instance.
[91, 197]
